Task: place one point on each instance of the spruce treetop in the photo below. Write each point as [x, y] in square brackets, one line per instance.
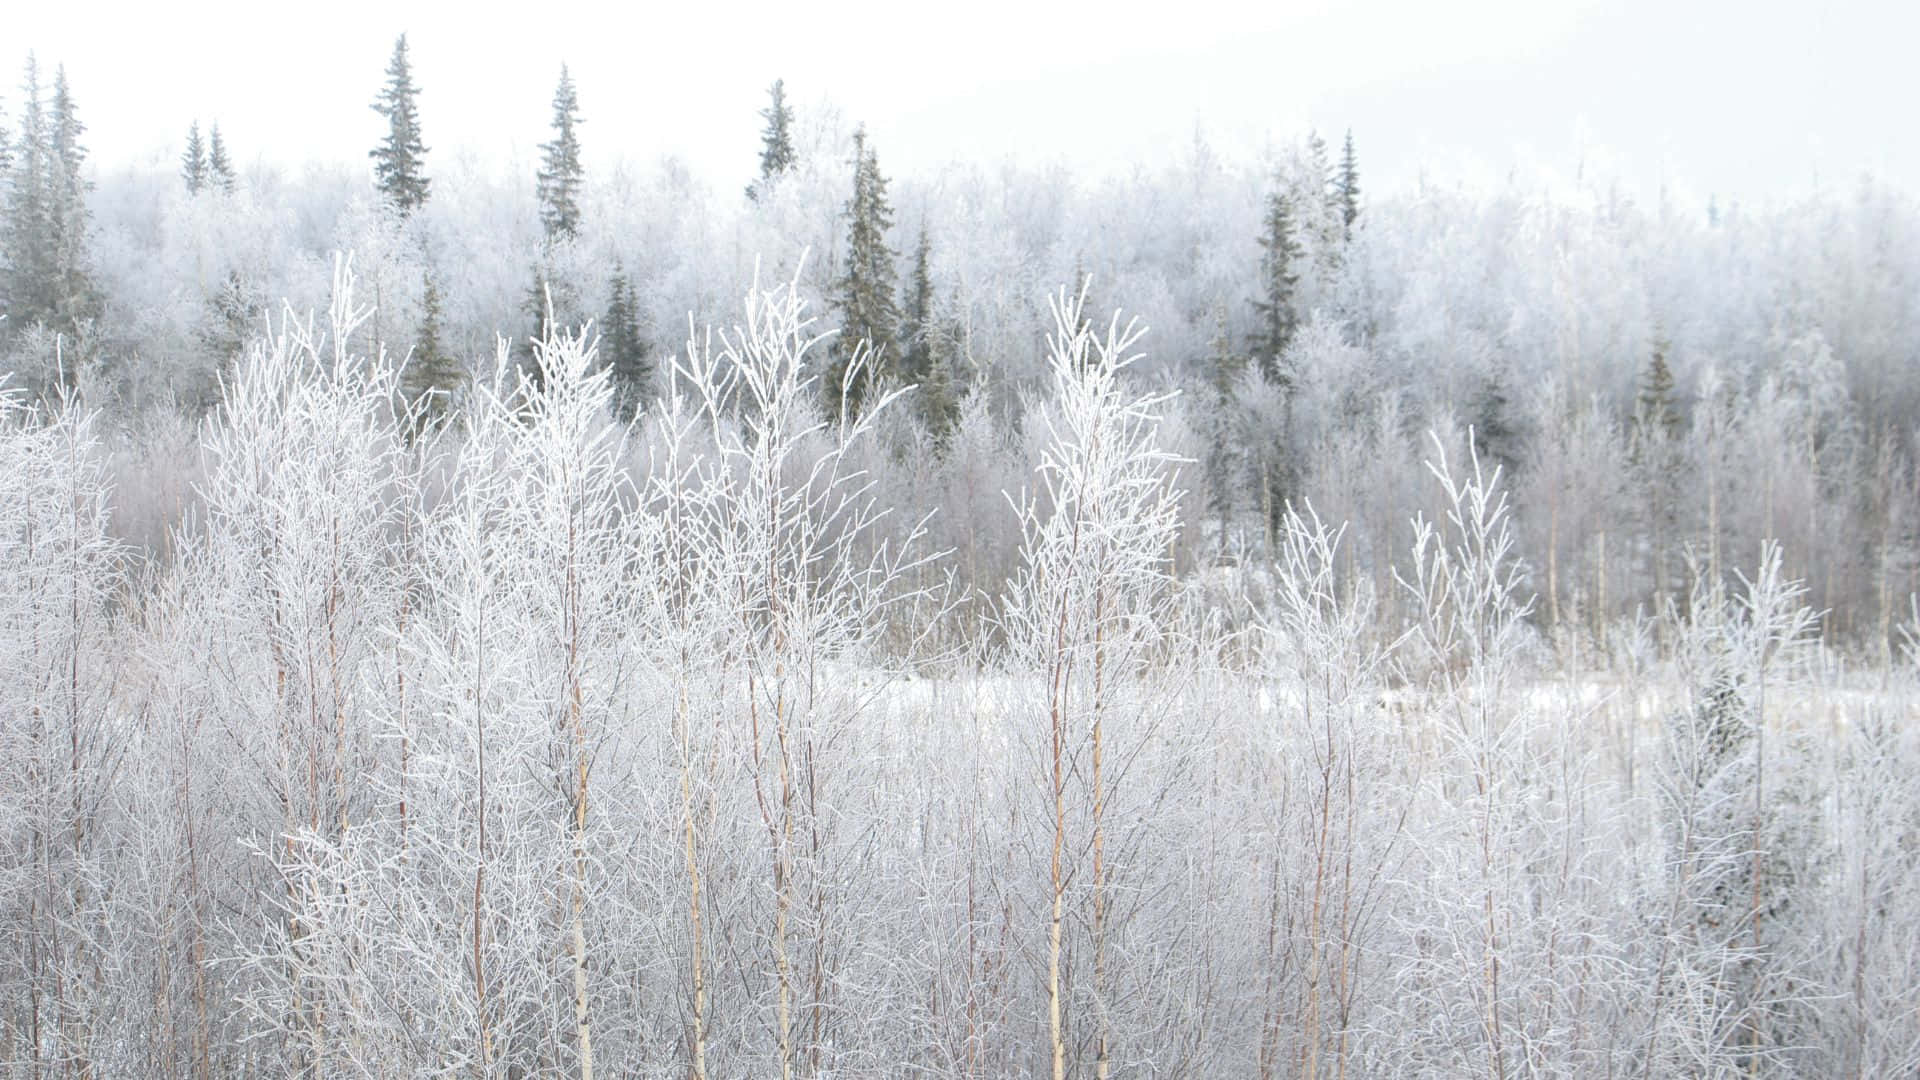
[219, 166]
[193, 163]
[623, 348]
[1274, 304]
[869, 314]
[776, 141]
[45, 278]
[1348, 187]
[561, 176]
[398, 161]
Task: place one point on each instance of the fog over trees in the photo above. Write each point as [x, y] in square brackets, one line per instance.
[1222, 620]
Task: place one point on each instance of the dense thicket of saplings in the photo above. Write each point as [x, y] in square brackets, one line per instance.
[512, 738]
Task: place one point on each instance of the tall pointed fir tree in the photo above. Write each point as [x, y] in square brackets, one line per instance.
[432, 370]
[46, 227]
[561, 177]
[1224, 465]
[623, 349]
[1273, 305]
[1657, 455]
[552, 305]
[75, 299]
[1319, 164]
[1347, 188]
[869, 318]
[219, 165]
[776, 141]
[29, 253]
[916, 317]
[922, 361]
[193, 163]
[399, 160]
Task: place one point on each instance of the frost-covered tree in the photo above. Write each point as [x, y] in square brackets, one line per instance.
[865, 351]
[433, 373]
[399, 160]
[291, 592]
[1085, 612]
[219, 165]
[561, 175]
[1346, 188]
[1741, 833]
[1225, 467]
[48, 282]
[60, 741]
[75, 297]
[1658, 441]
[924, 359]
[624, 346]
[776, 140]
[1273, 303]
[193, 161]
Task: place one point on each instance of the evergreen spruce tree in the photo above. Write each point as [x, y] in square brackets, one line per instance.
[1499, 433]
[622, 347]
[552, 304]
[1224, 458]
[230, 316]
[869, 317]
[939, 398]
[1657, 411]
[29, 230]
[1656, 455]
[399, 159]
[1320, 165]
[1274, 303]
[193, 163]
[916, 323]
[1347, 188]
[219, 166]
[776, 142]
[923, 361]
[46, 226]
[561, 177]
[75, 298]
[432, 370]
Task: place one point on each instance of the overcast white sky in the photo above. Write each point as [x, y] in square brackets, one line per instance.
[1744, 100]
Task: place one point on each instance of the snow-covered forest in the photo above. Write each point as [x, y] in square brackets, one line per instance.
[524, 620]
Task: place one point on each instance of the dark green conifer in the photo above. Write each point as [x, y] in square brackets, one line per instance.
[1347, 188]
[399, 160]
[75, 298]
[1225, 459]
[552, 307]
[1657, 412]
[1499, 433]
[869, 317]
[29, 252]
[1273, 304]
[432, 372]
[622, 347]
[219, 166]
[776, 141]
[1657, 457]
[561, 176]
[916, 323]
[924, 361]
[45, 237]
[193, 163]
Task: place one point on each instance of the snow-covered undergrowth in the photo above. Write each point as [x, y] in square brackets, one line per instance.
[520, 742]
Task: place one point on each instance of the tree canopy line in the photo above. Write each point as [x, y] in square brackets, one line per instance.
[1315, 328]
